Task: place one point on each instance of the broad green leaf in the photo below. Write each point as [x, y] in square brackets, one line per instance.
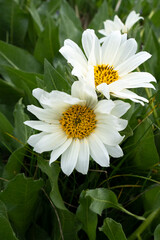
[155, 18]
[24, 80]
[6, 231]
[100, 17]
[52, 172]
[142, 146]
[53, 80]
[70, 26]
[36, 18]
[6, 131]
[48, 43]
[157, 232]
[20, 197]
[102, 198]
[9, 93]
[48, 8]
[113, 230]
[68, 220]
[13, 22]
[87, 217]
[14, 164]
[17, 58]
[151, 203]
[21, 131]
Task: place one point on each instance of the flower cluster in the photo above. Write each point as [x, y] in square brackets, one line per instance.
[81, 125]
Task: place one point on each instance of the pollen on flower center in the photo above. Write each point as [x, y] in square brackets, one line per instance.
[78, 121]
[104, 74]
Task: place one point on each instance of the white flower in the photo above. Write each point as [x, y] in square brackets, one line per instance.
[108, 67]
[77, 126]
[118, 25]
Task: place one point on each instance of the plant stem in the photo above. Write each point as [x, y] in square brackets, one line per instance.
[144, 225]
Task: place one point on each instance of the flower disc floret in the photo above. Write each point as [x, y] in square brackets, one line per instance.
[78, 121]
[104, 74]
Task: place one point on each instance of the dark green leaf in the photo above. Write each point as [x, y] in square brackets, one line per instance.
[9, 94]
[100, 17]
[70, 26]
[6, 131]
[17, 58]
[102, 198]
[52, 172]
[13, 22]
[151, 203]
[142, 146]
[20, 197]
[48, 43]
[14, 164]
[87, 217]
[113, 230]
[53, 80]
[6, 231]
[21, 131]
[157, 233]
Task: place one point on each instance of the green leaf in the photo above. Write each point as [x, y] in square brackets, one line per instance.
[20, 197]
[53, 80]
[87, 217]
[14, 164]
[52, 172]
[13, 22]
[69, 26]
[157, 232]
[47, 45]
[6, 131]
[68, 220]
[48, 8]
[21, 131]
[6, 230]
[9, 93]
[36, 18]
[113, 230]
[17, 58]
[100, 17]
[102, 198]
[38, 233]
[24, 80]
[142, 146]
[151, 203]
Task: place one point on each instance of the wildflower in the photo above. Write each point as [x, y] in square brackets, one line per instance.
[118, 25]
[108, 67]
[77, 126]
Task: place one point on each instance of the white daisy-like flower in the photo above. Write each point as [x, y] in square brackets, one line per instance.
[77, 126]
[108, 67]
[118, 25]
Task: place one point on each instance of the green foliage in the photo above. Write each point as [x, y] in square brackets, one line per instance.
[37, 201]
[112, 230]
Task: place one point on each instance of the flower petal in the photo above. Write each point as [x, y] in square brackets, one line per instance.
[83, 157]
[132, 18]
[126, 50]
[104, 106]
[104, 89]
[126, 94]
[98, 150]
[69, 157]
[43, 126]
[110, 48]
[131, 63]
[46, 115]
[85, 92]
[120, 108]
[114, 151]
[47, 142]
[108, 135]
[60, 150]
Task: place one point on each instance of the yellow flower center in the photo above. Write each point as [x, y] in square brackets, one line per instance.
[78, 121]
[104, 74]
